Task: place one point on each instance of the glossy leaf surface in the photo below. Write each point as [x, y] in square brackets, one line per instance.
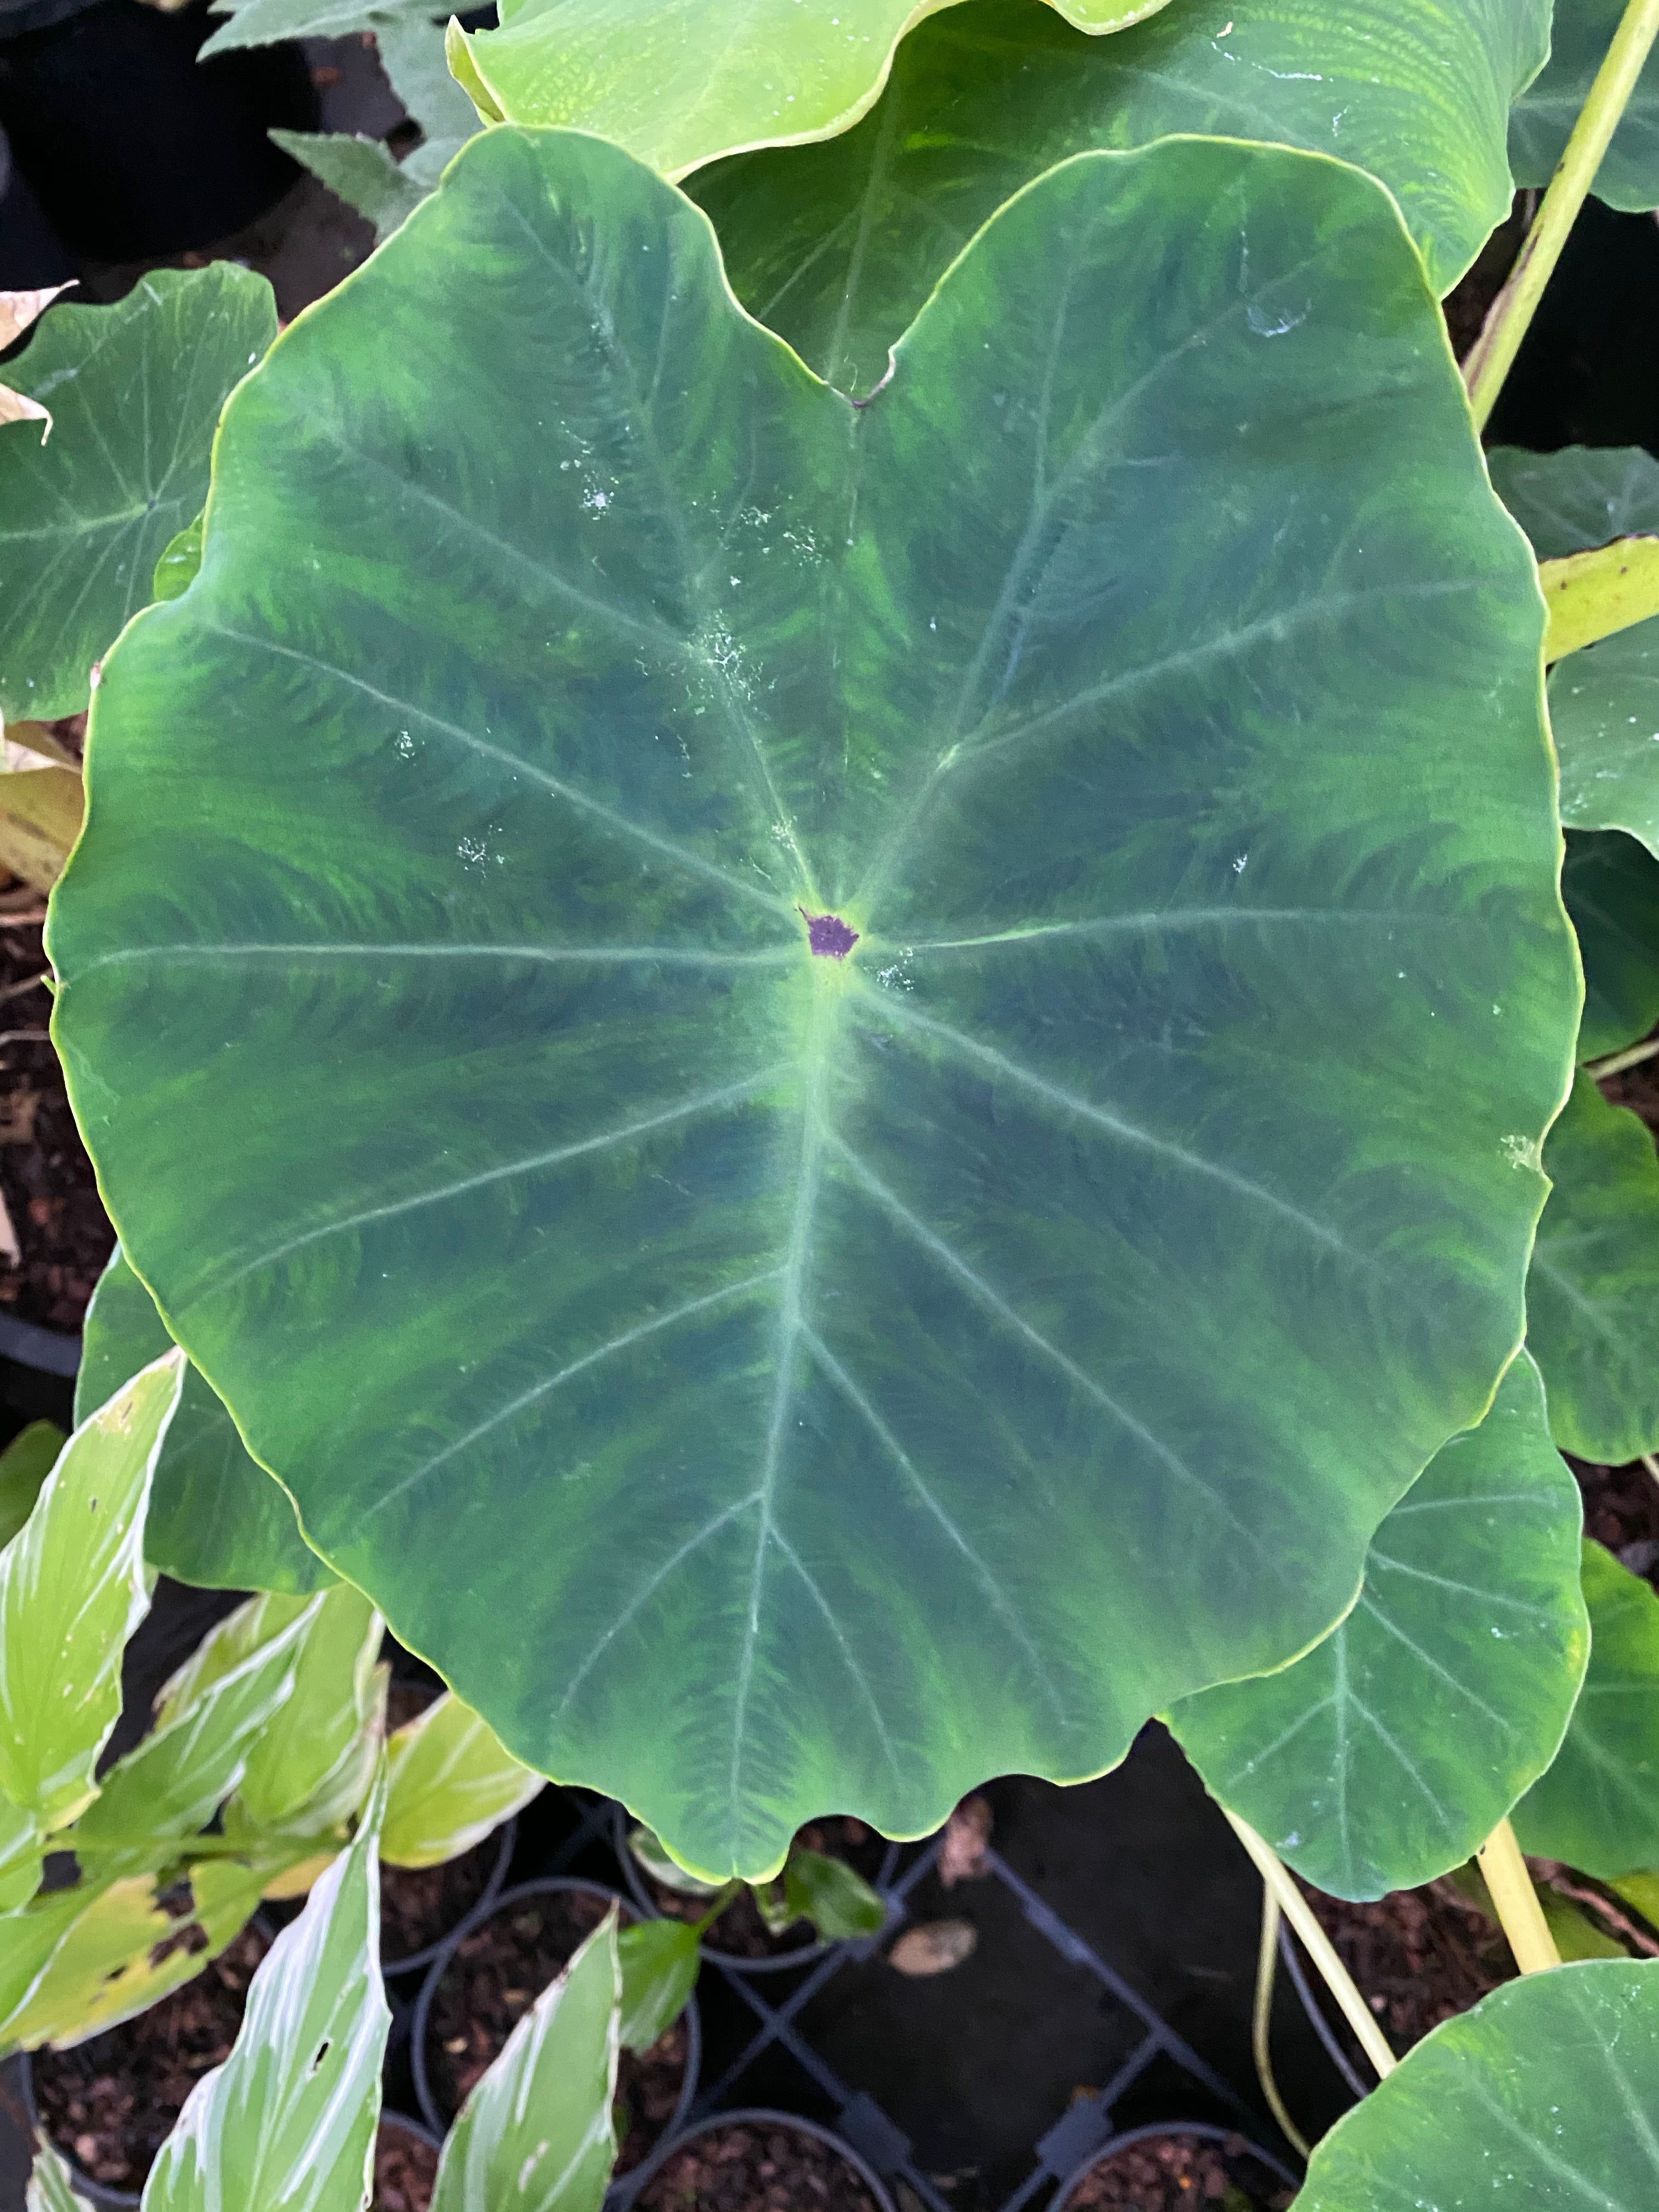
[1392, 1751]
[452, 1784]
[287, 2124]
[537, 2134]
[135, 391]
[660, 1959]
[1593, 1293]
[1598, 1806]
[1546, 112]
[1187, 872]
[216, 1518]
[1604, 701]
[1611, 887]
[1541, 2096]
[837, 246]
[26, 1462]
[678, 84]
[71, 1592]
[838, 1900]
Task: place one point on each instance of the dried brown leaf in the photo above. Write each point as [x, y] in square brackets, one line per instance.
[934, 1947]
[967, 1834]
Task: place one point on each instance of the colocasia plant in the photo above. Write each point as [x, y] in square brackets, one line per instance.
[819, 949]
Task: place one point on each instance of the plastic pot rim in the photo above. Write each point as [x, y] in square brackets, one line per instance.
[96, 2192]
[547, 1886]
[1206, 2130]
[754, 2115]
[775, 1962]
[417, 1961]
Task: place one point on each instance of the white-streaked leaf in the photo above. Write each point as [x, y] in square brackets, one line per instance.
[252, 1627]
[647, 1848]
[311, 1768]
[452, 1781]
[72, 1590]
[97, 1954]
[49, 2189]
[175, 1780]
[287, 2124]
[26, 1462]
[537, 2134]
[659, 1963]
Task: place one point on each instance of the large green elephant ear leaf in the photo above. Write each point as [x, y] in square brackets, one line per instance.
[837, 246]
[1593, 1291]
[216, 1518]
[1597, 1808]
[134, 391]
[1544, 115]
[1541, 2096]
[882, 1001]
[1394, 1749]
[679, 83]
[1604, 701]
[1611, 887]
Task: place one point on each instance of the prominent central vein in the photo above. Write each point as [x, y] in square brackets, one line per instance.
[792, 1316]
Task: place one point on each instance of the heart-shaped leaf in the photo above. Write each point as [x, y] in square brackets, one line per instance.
[1544, 115]
[1611, 887]
[72, 1590]
[537, 2134]
[882, 1000]
[1593, 1293]
[837, 246]
[216, 1519]
[452, 1784]
[136, 390]
[1541, 2096]
[287, 2124]
[1604, 701]
[1598, 1806]
[1392, 1751]
[680, 84]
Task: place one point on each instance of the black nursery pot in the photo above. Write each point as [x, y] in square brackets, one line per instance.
[1262, 2172]
[400, 2129]
[438, 2088]
[503, 1843]
[758, 2116]
[93, 2191]
[131, 147]
[811, 1946]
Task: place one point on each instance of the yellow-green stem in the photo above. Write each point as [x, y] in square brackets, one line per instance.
[1318, 1946]
[1615, 1063]
[1266, 1966]
[1511, 314]
[1516, 1902]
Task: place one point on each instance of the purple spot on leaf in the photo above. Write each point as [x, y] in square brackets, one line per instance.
[828, 935]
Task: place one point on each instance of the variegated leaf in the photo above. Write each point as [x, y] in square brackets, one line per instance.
[451, 1783]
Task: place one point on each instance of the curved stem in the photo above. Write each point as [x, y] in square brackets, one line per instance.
[1516, 1902]
[1615, 1063]
[1266, 1966]
[1317, 1944]
[1495, 349]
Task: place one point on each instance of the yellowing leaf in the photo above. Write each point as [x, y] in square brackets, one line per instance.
[451, 1783]
[1590, 595]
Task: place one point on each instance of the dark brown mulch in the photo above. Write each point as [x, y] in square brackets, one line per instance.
[740, 1933]
[495, 1976]
[405, 2171]
[1421, 1955]
[1468, 303]
[1621, 1510]
[419, 1905]
[110, 2104]
[751, 2168]
[1171, 2173]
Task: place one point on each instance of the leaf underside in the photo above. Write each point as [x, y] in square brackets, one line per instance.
[1543, 122]
[588, 1251]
